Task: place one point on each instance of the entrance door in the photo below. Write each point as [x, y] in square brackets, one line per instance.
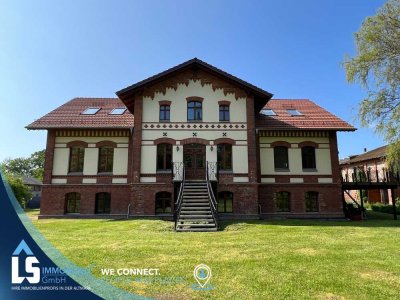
[194, 158]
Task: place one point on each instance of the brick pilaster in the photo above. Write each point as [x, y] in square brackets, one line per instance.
[334, 157]
[251, 140]
[49, 156]
[137, 139]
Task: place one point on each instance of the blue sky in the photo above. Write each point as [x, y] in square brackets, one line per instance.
[52, 51]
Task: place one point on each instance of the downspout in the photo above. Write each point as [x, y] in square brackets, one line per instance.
[127, 213]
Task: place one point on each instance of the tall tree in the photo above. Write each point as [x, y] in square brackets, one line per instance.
[376, 66]
[32, 166]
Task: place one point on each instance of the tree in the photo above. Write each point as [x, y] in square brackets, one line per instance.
[20, 190]
[376, 66]
[21, 166]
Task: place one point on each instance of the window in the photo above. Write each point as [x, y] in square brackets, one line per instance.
[164, 113]
[282, 201]
[224, 113]
[72, 203]
[281, 159]
[90, 111]
[163, 203]
[225, 202]
[103, 203]
[118, 111]
[308, 157]
[294, 112]
[224, 156]
[76, 157]
[312, 202]
[194, 111]
[164, 157]
[106, 157]
[268, 112]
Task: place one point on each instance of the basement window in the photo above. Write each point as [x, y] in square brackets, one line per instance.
[90, 111]
[118, 111]
[294, 112]
[268, 112]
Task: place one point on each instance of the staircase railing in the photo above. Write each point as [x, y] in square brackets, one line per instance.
[213, 201]
[178, 203]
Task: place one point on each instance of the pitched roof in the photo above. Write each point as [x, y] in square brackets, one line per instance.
[373, 154]
[261, 96]
[69, 115]
[312, 117]
[32, 181]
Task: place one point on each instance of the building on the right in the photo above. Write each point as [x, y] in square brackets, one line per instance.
[369, 166]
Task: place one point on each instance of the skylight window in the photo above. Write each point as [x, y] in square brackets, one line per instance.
[118, 111]
[268, 112]
[90, 111]
[294, 112]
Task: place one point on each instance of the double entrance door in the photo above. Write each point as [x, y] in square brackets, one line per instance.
[194, 158]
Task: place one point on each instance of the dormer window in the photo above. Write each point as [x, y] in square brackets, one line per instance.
[90, 111]
[267, 112]
[118, 111]
[294, 112]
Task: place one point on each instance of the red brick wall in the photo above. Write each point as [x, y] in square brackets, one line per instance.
[330, 198]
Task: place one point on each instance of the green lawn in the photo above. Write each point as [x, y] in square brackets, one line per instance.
[288, 259]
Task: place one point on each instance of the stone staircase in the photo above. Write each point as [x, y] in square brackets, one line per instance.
[195, 213]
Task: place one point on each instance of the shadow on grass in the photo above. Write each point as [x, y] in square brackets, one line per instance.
[373, 220]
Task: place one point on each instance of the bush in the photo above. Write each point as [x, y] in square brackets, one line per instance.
[385, 208]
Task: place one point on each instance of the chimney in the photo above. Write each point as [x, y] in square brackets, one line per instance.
[365, 150]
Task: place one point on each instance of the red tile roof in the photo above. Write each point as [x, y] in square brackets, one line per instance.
[377, 153]
[313, 117]
[69, 115]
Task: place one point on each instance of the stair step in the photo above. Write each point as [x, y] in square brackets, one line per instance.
[196, 207]
[193, 220]
[195, 212]
[196, 225]
[196, 229]
[204, 216]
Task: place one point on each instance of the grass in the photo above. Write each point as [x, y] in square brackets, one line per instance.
[286, 259]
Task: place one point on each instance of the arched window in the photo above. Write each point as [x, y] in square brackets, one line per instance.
[282, 201]
[225, 202]
[281, 158]
[308, 157]
[76, 157]
[72, 203]
[224, 156]
[164, 157]
[224, 113]
[312, 204]
[106, 159]
[194, 111]
[103, 203]
[163, 203]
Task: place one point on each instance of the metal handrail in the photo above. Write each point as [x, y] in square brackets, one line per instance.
[179, 200]
[213, 201]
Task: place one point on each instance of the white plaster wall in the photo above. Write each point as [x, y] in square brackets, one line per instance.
[178, 111]
[120, 165]
[239, 159]
[211, 135]
[60, 161]
[149, 160]
[90, 162]
[322, 156]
